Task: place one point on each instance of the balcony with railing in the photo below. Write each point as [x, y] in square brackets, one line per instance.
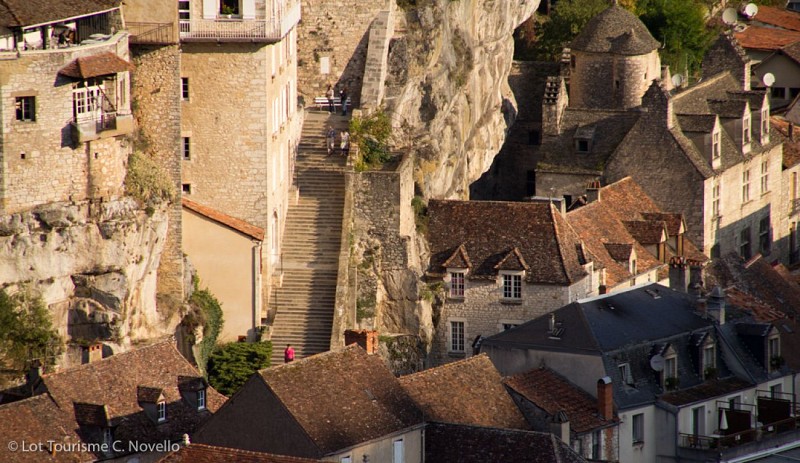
[235, 29]
[150, 33]
[63, 35]
[777, 423]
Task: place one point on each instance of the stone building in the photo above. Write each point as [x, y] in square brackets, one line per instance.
[64, 103]
[240, 124]
[501, 264]
[713, 139]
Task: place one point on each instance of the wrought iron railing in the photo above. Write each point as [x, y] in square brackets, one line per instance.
[148, 32]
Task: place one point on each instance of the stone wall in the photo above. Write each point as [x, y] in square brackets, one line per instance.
[155, 92]
[484, 312]
[601, 80]
[336, 31]
[380, 35]
[41, 160]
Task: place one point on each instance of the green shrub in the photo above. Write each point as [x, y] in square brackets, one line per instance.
[146, 181]
[209, 311]
[420, 214]
[230, 365]
[371, 134]
[26, 332]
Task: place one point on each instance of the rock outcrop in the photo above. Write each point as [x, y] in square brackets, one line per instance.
[448, 87]
[94, 265]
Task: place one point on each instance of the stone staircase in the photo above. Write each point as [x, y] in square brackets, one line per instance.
[311, 244]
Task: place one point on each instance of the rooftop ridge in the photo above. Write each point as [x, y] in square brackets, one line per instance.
[107, 360]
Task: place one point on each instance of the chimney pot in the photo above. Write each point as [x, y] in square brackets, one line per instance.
[95, 352]
[678, 274]
[367, 339]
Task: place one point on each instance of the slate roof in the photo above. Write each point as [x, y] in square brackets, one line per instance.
[231, 222]
[469, 392]
[615, 30]
[101, 64]
[14, 13]
[792, 51]
[34, 420]
[553, 393]
[456, 443]
[347, 387]
[558, 153]
[732, 109]
[115, 381]
[489, 231]
[200, 453]
[702, 123]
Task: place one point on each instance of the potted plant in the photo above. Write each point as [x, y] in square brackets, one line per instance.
[227, 11]
[671, 383]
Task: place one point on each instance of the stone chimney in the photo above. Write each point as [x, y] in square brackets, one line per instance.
[559, 426]
[679, 274]
[657, 101]
[554, 104]
[716, 305]
[666, 77]
[593, 191]
[696, 274]
[95, 352]
[727, 55]
[367, 339]
[605, 398]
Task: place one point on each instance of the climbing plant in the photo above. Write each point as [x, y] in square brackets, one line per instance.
[209, 313]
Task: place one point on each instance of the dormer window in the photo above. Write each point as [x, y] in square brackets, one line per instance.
[201, 399]
[512, 285]
[625, 373]
[583, 139]
[709, 358]
[669, 376]
[746, 129]
[716, 149]
[162, 411]
[774, 351]
[457, 281]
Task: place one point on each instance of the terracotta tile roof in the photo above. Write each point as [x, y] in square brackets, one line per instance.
[766, 38]
[459, 259]
[490, 230]
[200, 453]
[705, 391]
[469, 391]
[14, 13]
[779, 17]
[673, 221]
[615, 30]
[457, 443]
[92, 415]
[35, 420]
[553, 393]
[347, 387]
[620, 252]
[791, 148]
[647, 231]
[760, 310]
[232, 222]
[114, 383]
[101, 64]
[149, 395]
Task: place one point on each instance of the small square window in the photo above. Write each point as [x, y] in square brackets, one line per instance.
[186, 148]
[583, 146]
[26, 108]
[185, 88]
[186, 188]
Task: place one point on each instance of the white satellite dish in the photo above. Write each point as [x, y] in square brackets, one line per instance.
[657, 362]
[768, 79]
[729, 16]
[677, 80]
[750, 10]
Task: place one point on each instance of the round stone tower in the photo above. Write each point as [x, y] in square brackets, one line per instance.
[614, 60]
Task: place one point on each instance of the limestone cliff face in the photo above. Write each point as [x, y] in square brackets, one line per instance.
[448, 87]
[94, 265]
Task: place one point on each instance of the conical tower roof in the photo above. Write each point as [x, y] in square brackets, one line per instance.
[615, 30]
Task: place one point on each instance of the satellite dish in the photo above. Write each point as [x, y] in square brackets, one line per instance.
[729, 16]
[750, 10]
[768, 79]
[677, 80]
[657, 362]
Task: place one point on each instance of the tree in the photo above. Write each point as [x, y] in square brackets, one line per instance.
[26, 331]
[230, 365]
[680, 26]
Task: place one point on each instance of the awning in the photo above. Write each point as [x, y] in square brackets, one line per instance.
[101, 64]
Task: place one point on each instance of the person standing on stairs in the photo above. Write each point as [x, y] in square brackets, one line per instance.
[343, 95]
[329, 94]
[288, 354]
[330, 138]
[345, 144]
